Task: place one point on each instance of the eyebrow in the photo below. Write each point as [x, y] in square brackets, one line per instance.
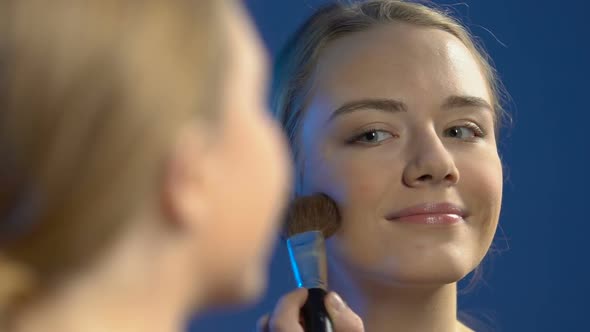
[396, 106]
[466, 101]
[384, 105]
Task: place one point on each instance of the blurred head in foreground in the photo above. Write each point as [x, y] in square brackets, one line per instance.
[140, 175]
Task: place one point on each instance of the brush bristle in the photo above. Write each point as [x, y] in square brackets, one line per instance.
[312, 213]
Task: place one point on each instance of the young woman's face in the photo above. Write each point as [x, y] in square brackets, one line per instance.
[400, 118]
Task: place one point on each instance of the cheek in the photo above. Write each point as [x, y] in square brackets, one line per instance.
[481, 188]
[366, 183]
[254, 183]
[353, 179]
[483, 182]
[358, 182]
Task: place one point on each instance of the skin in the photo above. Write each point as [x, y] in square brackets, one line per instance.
[245, 176]
[441, 148]
[205, 237]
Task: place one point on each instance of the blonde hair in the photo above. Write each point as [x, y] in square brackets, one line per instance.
[297, 61]
[91, 96]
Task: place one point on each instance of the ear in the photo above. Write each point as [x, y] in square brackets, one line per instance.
[183, 187]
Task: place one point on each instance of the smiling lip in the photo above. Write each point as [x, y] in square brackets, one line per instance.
[430, 214]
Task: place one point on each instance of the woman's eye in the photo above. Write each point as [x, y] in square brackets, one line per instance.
[464, 132]
[372, 136]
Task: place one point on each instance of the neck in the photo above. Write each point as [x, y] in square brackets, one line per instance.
[139, 289]
[385, 307]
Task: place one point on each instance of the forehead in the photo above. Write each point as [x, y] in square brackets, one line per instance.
[398, 60]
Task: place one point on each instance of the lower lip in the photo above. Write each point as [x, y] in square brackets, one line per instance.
[431, 219]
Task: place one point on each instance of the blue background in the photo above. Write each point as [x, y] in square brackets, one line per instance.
[540, 281]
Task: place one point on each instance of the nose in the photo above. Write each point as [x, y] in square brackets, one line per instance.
[430, 163]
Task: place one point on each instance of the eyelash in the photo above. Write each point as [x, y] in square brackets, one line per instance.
[478, 132]
[355, 139]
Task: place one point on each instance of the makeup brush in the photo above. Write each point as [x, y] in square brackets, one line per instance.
[310, 220]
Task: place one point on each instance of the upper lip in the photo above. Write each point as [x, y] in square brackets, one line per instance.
[428, 208]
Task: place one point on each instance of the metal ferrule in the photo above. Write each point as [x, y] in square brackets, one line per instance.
[308, 259]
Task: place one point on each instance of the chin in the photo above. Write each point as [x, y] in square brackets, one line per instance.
[240, 288]
[427, 276]
[253, 286]
[414, 270]
[433, 266]
[435, 270]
